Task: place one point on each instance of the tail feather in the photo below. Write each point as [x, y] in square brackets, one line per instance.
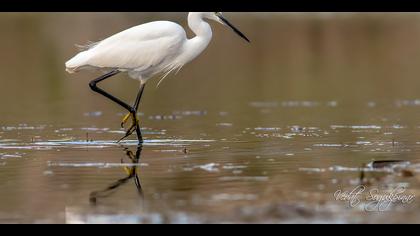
[77, 62]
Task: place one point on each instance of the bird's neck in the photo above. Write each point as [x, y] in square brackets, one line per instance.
[203, 33]
[200, 27]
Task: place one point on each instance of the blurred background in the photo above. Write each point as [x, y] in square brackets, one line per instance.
[311, 91]
[293, 56]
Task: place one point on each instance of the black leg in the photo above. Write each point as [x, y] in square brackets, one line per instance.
[139, 95]
[133, 113]
[133, 110]
[95, 88]
[136, 107]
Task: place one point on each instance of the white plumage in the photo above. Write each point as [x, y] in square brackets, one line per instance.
[144, 51]
[148, 49]
[137, 50]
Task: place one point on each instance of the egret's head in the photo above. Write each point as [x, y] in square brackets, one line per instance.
[217, 16]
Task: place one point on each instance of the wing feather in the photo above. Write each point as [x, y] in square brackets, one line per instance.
[137, 48]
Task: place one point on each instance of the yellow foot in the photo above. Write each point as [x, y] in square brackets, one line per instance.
[125, 119]
[133, 127]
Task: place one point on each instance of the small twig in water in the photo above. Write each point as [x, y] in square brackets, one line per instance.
[87, 138]
[362, 174]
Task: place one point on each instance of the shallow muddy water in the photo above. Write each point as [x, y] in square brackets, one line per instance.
[270, 132]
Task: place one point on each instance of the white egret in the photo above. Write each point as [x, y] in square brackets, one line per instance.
[145, 51]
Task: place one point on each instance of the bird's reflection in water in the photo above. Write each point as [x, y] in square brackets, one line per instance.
[131, 171]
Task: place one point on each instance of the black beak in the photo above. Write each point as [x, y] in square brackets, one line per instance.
[233, 28]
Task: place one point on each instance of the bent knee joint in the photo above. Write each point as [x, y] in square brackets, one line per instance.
[93, 86]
